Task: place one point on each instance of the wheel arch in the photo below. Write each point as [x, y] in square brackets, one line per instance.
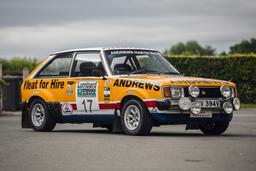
[127, 98]
[33, 98]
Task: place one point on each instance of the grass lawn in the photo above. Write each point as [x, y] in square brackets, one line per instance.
[248, 105]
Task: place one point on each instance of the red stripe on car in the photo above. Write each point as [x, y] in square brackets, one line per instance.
[74, 106]
[150, 103]
[117, 105]
[109, 106]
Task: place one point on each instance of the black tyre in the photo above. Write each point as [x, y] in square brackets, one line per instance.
[39, 116]
[135, 118]
[214, 128]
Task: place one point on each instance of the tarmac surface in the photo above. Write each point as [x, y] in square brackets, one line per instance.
[81, 147]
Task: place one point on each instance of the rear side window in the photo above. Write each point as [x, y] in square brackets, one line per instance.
[58, 67]
[88, 65]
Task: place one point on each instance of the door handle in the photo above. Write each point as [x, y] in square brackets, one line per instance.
[70, 82]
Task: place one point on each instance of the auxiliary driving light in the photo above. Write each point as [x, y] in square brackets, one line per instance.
[193, 91]
[185, 103]
[195, 107]
[236, 103]
[228, 107]
[225, 91]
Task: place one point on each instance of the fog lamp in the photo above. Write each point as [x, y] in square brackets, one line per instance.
[228, 107]
[195, 107]
[193, 91]
[185, 103]
[236, 103]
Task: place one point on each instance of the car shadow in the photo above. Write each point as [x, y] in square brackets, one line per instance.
[156, 133]
[187, 134]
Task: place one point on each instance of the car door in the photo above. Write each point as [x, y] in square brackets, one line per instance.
[86, 83]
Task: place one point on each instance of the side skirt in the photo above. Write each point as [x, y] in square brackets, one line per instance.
[106, 119]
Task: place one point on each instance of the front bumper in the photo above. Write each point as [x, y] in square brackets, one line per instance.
[163, 118]
[168, 112]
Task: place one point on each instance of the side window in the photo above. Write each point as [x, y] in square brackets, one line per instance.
[88, 65]
[58, 67]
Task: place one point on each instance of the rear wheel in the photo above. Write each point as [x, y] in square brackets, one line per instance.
[40, 118]
[214, 128]
[135, 118]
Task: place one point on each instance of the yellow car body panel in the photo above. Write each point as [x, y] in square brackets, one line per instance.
[55, 90]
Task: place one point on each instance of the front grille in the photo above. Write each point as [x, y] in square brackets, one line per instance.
[206, 92]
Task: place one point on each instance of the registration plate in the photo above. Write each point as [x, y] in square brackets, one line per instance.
[203, 114]
[209, 103]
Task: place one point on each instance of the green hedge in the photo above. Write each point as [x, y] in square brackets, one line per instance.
[14, 66]
[239, 69]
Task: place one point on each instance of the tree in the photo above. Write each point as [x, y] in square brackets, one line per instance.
[246, 46]
[190, 48]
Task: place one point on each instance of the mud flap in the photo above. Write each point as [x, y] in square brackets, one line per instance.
[117, 128]
[25, 117]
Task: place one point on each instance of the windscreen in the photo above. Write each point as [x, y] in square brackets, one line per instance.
[138, 62]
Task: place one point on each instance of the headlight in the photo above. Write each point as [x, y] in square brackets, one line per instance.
[228, 107]
[185, 103]
[195, 107]
[236, 103]
[225, 91]
[193, 91]
[176, 92]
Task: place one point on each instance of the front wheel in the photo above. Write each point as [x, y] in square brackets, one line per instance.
[40, 118]
[135, 118]
[214, 128]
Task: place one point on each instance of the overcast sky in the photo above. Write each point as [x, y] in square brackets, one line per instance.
[37, 28]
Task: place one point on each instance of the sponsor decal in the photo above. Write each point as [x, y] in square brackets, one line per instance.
[196, 82]
[69, 91]
[35, 92]
[130, 92]
[106, 94]
[41, 84]
[67, 109]
[154, 110]
[87, 96]
[132, 52]
[107, 82]
[136, 84]
[86, 88]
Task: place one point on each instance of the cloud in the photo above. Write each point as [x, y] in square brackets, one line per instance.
[37, 28]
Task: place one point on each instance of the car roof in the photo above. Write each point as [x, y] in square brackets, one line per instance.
[99, 49]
